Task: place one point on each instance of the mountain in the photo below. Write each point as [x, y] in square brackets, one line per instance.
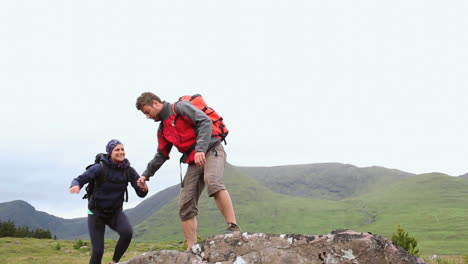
[258, 209]
[23, 214]
[300, 198]
[464, 176]
[151, 205]
[326, 181]
[432, 207]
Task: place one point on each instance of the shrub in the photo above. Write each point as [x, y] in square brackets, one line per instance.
[78, 244]
[57, 246]
[408, 243]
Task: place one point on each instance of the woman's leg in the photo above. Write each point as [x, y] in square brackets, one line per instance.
[96, 228]
[124, 229]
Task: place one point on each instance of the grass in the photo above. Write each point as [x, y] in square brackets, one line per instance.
[447, 259]
[263, 211]
[435, 217]
[48, 251]
[432, 208]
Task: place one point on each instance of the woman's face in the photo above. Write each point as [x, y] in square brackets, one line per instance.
[118, 153]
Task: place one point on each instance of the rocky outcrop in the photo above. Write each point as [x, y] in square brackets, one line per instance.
[338, 247]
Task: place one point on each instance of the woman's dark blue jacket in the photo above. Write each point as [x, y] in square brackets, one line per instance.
[110, 195]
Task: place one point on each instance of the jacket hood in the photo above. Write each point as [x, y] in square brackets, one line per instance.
[106, 159]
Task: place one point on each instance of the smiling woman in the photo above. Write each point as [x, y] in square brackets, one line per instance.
[117, 153]
[109, 178]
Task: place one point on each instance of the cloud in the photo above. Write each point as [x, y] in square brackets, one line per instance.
[368, 83]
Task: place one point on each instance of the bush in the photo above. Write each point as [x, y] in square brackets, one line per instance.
[57, 246]
[78, 244]
[9, 229]
[408, 243]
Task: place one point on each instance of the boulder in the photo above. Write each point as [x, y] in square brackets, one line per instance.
[338, 247]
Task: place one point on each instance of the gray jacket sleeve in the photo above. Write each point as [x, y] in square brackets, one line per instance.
[203, 124]
[154, 165]
[159, 158]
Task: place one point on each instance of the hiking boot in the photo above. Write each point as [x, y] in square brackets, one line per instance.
[232, 228]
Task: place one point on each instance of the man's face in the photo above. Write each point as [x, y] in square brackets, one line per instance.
[152, 112]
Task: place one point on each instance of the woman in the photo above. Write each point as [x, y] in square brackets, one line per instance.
[110, 177]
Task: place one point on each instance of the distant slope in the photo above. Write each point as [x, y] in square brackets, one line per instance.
[258, 209]
[326, 181]
[152, 204]
[145, 209]
[23, 214]
[464, 176]
[431, 207]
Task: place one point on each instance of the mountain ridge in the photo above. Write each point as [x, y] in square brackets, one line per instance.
[365, 202]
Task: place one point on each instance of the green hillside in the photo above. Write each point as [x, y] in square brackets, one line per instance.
[23, 214]
[325, 181]
[432, 207]
[258, 209]
[309, 199]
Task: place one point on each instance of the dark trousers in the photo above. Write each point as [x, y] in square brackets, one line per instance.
[97, 227]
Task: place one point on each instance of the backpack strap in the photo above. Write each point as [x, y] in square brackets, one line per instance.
[103, 176]
[127, 177]
[177, 115]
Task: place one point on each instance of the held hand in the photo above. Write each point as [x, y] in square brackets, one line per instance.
[141, 182]
[75, 189]
[144, 187]
[200, 159]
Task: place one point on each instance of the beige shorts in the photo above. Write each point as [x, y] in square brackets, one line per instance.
[197, 177]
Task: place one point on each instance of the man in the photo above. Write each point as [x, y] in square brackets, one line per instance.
[190, 130]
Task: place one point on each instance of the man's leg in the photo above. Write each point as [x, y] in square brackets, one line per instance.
[190, 231]
[188, 202]
[224, 203]
[214, 170]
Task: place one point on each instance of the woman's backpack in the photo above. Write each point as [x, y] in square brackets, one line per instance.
[96, 182]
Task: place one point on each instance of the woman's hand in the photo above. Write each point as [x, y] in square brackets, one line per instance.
[142, 182]
[75, 189]
[143, 187]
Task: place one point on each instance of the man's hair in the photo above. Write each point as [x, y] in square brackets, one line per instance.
[146, 99]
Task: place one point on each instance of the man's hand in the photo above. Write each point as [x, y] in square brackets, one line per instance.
[141, 182]
[200, 159]
[144, 187]
[75, 189]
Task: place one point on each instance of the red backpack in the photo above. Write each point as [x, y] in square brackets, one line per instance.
[219, 128]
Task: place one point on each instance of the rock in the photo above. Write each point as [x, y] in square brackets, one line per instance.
[338, 247]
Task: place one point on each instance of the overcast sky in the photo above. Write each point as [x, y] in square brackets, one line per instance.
[361, 82]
